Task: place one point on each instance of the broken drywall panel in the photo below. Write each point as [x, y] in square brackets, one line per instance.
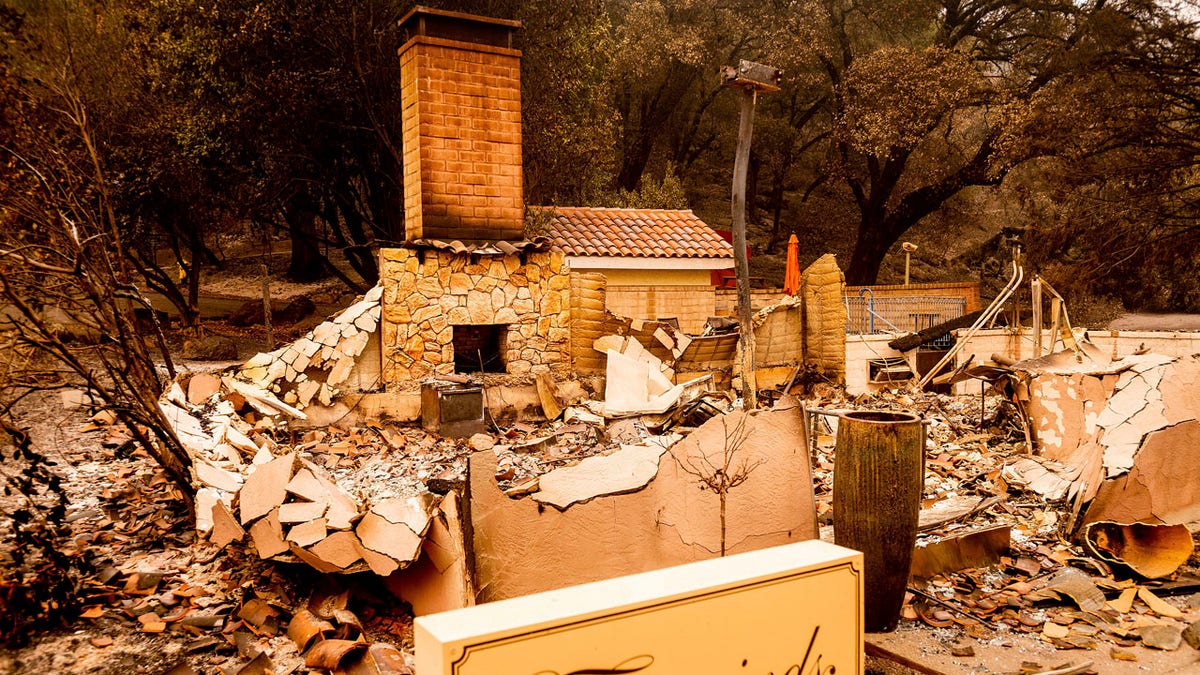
[627, 469]
[398, 542]
[266, 488]
[1096, 415]
[438, 580]
[1134, 409]
[206, 499]
[267, 534]
[1047, 478]
[201, 388]
[216, 477]
[226, 529]
[550, 403]
[301, 512]
[626, 387]
[674, 519]
[307, 534]
[413, 512]
[188, 429]
[340, 549]
[1153, 551]
[1162, 486]
[262, 400]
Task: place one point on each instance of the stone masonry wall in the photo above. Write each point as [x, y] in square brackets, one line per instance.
[424, 300]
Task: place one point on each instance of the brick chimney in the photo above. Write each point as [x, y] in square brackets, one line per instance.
[461, 91]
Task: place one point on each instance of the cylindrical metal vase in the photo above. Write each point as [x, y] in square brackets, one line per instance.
[877, 479]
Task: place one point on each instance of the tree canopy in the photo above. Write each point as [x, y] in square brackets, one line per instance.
[1072, 122]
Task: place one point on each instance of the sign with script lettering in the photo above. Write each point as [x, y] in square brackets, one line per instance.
[787, 610]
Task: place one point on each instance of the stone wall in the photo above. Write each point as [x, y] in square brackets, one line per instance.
[427, 293]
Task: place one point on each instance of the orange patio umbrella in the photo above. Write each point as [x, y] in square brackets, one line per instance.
[791, 278]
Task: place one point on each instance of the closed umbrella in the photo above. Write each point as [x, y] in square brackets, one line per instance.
[791, 278]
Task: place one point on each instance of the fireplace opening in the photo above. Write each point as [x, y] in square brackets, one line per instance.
[479, 348]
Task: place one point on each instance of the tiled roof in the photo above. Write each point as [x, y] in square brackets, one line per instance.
[643, 233]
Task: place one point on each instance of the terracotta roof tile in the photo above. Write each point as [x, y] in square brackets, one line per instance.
[644, 233]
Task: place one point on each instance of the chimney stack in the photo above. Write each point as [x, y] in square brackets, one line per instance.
[461, 90]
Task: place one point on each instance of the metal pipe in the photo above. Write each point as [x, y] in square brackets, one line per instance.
[992, 310]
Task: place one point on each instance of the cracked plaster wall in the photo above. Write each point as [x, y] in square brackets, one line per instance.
[1131, 436]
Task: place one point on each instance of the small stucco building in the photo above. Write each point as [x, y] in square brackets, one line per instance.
[658, 262]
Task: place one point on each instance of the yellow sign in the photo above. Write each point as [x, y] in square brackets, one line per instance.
[787, 610]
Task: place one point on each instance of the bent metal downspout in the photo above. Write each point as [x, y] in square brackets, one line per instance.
[993, 309]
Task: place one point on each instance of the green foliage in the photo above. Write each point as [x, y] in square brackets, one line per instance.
[667, 193]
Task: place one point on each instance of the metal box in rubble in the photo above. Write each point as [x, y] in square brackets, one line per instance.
[452, 410]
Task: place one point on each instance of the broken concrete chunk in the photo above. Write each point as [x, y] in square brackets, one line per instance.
[626, 470]
[398, 542]
[267, 534]
[266, 488]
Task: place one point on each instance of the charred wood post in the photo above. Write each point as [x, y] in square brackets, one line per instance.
[751, 78]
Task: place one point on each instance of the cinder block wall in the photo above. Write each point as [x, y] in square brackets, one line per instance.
[691, 305]
[462, 140]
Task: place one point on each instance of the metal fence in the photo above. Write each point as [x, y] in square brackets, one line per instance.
[899, 314]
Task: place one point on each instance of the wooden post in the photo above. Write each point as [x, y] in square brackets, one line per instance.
[741, 263]
[751, 78]
[1035, 291]
[266, 289]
